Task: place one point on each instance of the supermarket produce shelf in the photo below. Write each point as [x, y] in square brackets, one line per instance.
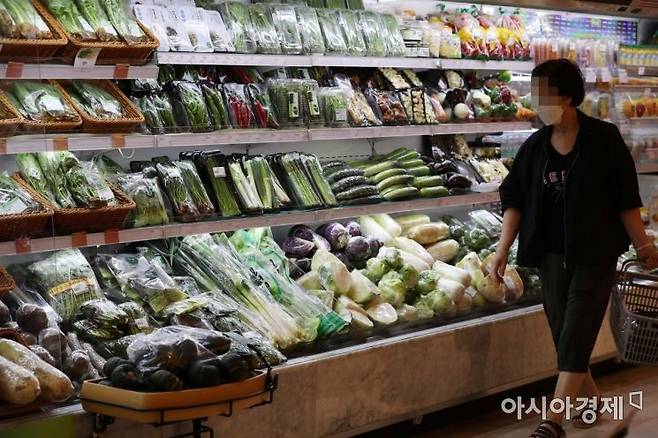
[184, 58]
[18, 70]
[79, 240]
[634, 70]
[91, 142]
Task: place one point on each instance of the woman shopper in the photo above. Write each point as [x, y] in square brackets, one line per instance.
[572, 197]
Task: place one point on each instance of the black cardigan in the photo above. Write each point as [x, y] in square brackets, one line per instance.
[602, 183]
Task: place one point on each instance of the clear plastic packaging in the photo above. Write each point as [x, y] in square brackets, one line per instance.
[267, 38]
[174, 185]
[195, 187]
[219, 116]
[285, 21]
[163, 105]
[191, 105]
[309, 30]
[177, 38]
[334, 41]
[94, 100]
[238, 23]
[394, 42]
[310, 103]
[334, 107]
[450, 45]
[387, 107]
[196, 27]
[40, 101]
[285, 95]
[31, 171]
[124, 22]
[145, 193]
[349, 23]
[372, 29]
[13, 198]
[262, 106]
[237, 103]
[21, 20]
[152, 18]
[49, 162]
[245, 188]
[471, 35]
[219, 35]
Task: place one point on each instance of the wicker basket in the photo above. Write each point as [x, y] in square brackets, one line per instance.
[6, 283]
[18, 49]
[93, 124]
[111, 52]
[93, 220]
[14, 226]
[8, 126]
[41, 127]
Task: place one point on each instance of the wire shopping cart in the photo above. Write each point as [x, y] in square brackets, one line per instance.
[634, 315]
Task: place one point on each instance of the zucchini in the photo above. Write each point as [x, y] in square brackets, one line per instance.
[374, 199]
[393, 188]
[402, 154]
[395, 153]
[343, 173]
[403, 193]
[427, 181]
[408, 164]
[380, 167]
[434, 192]
[419, 171]
[381, 176]
[357, 192]
[395, 180]
[347, 183]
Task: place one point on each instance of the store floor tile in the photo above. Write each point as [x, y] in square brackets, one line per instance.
[484, 419]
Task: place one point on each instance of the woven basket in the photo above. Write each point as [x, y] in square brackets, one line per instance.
[14, 226]
[8, 126]
[41, 127]
[23, 50]
[6, 284]
[94, 124]
[92, 220]
[111, 52]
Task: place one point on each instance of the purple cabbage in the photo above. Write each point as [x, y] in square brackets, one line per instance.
[374, 244]
[358, 249]
[306, 233]
[336, 234]
[353, 228]
[298, 247]
[343, 258]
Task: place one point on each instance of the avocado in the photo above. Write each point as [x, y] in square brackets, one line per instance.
[125, 376]
[112, 363]
[163, 380]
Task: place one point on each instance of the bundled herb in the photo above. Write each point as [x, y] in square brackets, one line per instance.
[263, 110]
[50, 163]
[40, 101]
[373, 32]
[19, 19]
[239, 26]
[94, 100]
[215, 104]
[334, 107]
[334, 41]
[195, 187]
[246, 190]
[285, 21]
[349, 23]
[29, 168]
[266, 35]
[192, 105]
[145, 193]
[174, 185]
[95, 15]
[309, 30]
[213, 168]
[71, 19]
[14, 199]
[123, 21]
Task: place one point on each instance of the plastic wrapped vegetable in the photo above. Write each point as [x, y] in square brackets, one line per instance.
[50, 163]
[310, 103]
[67, 13]
[349, 23]
[387, 106]
[192, 105]
[240, 112]
[92, 11]
[287, 100]
[247, 193]
[195, 187]
[152, 122]
[31, 172]
[239, 26]
[309, 30]
[372, 29]
[334, 41]
[334, 107]
[219, 116]
[14, 199]
[219, 35]
[260, 176]
[123, 21]
[393, 37]
[88, 185]
[21, 20]
[95, 100]
[174, 185]
[162, 103]
[146, 195]
[285, 21]
[196, 27]
[40, 101]
[267, 39]
[213, 169]
[263, 109]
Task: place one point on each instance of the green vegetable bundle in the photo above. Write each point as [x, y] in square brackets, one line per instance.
[123, 21]
[40, 101]
[216, 107]
[349, 23]
[239, 26]
[267, 39]
[19, 19]
[192, 105]
[165, 110]
[195, 187]
[13, 198]
[95, 15]
[67, 13]
[309, 30]
[260, 177]
[30, 170]
[373, 32]
[245, 188]
[334, 107]
[147, 196]
[334, 41]
[285, 21]
[310, 103]
[302, 177]
[95, 100]
[51, 167]
[393, 37]
[153, 124]
[286, 95]
[174, 185]
[213, 167]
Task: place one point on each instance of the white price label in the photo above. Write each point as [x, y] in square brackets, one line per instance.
[590, 75]
[640, 71]
[86, 58]
[341, 115]
[623, 76]
[141, 323]
[219, 172]
[605, 75]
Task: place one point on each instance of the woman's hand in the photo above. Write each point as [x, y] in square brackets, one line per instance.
[499, 264]
[648, 257]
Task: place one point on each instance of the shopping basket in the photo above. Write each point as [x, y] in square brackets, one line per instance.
[634, 315]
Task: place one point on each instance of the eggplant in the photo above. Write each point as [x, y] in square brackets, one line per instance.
[353, 228]
[458, 181]
[336, 234]
[298, 247]
[358, 249]
[306, 233]
[443, 166]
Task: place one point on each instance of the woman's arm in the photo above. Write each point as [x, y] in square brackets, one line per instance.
[511, 223]
[646, 252]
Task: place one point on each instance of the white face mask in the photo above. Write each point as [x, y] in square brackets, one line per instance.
[550, 114]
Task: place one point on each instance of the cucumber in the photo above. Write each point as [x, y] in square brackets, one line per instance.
[343, 173]
[395, 153]
[395, 180]
[402, 154]
[348, 183]
[380, 167]
[336, 164]
[434, 192]
[393, 188]
[357, 192]
[427, 181]
[381, 176]
[363, 200]
[405, 192]
[408, 164]
[419, 171]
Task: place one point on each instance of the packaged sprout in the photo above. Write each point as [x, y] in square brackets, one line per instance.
[123, 21]
[393, 37]
[285, 21]
[219, 116]
[195, 187]
[146, 195]
[334, 41]
[196, 27]
[334, 107]
[21, 20]
[349, 22]
[311, 103]
[152, 18]
[373, 32]
[65, 280]
[263, 109]
[177, 38]
[177, 191]
[236, 17]
[267, 39]
[68, 15]
[309, 30]
[285, 95]
[238, 106]
[40, 102]
[219, 35]
[191, 105]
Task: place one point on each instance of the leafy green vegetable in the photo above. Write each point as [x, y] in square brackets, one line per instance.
[30, 170]
[310, 103]
[266, 35]
[334, 107]
[72, 20]
[13, 198]
[238, 23]
[95, 15]
[21, 20]
[146, 195]
[102, 104]
[285, 21]
[392, 288]
[190, 99]
[123, 21]
[195, 187]
[334, 41]
[285, 95]
[309, 30]
[40, 101]
[394, 42]
[373, 32]
[349, 23]
[50, 163]
[174, 185]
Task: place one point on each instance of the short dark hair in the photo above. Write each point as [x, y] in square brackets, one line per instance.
[565, 76]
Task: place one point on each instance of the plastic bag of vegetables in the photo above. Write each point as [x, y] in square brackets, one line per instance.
[334, 107]
[50, 164]
[286, 95]
[285, 21]
[153, 124]
[191, 105]
[263, 109]
[123, 21]
[245, 188]
[40, 101]
[68, 15]
[195, 187]
[373, 32]
[349, 23]
[309, 30]
[310, 103]
[267, 39]
[213, 169]
[94, 100]
[19, 19]
[393, 37]
[147, 196]
[97, 192]
[239, 26]
[174, 185]
[334, 41]
[13, 198]
[239, 110]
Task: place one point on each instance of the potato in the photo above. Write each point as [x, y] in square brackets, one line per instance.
[17, 385]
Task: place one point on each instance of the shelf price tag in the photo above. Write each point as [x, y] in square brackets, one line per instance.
[640, 71]
[14, 70]
[623, 76]
[118, 141]
[86, 58]
[590, 75]
[60, 144]
[111, 237]
[121, 71]
[78, 239]
[23, 246]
